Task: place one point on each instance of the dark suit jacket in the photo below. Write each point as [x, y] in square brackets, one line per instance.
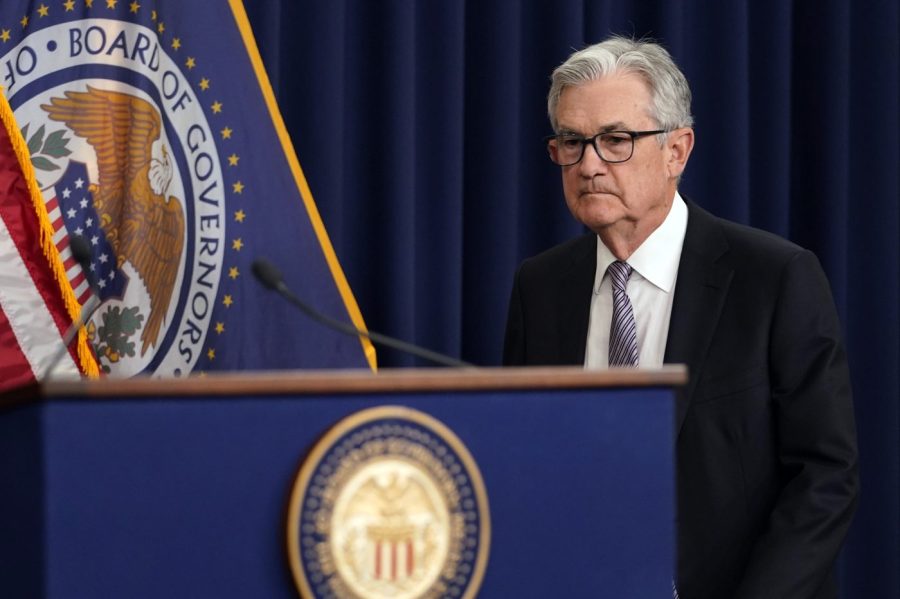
[766, 439]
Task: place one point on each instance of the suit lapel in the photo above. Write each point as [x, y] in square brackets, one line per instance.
[700, 291]
[574, 308]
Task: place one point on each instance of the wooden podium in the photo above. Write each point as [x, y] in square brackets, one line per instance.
[180, 488]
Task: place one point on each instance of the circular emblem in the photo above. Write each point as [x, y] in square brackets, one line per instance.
[389, 504]
[126, 159]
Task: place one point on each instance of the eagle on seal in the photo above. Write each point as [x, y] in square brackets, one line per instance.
[143, 226]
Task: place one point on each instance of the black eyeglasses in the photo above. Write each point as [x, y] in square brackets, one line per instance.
[567, 149]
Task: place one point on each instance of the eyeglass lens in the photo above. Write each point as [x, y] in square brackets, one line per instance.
[612, 147]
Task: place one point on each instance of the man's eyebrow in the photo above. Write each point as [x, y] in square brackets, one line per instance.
[567, 131]
[616, 126]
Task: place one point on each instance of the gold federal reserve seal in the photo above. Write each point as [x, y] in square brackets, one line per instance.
[389, 504]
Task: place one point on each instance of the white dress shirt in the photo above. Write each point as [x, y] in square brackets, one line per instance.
[650, 288]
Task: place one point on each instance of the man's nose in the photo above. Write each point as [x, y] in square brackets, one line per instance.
[591, 164]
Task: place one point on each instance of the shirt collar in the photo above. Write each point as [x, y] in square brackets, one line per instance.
[657, 258]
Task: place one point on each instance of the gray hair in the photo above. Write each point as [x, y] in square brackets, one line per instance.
[670, 95]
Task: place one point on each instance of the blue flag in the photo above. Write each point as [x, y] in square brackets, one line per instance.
[156, 137]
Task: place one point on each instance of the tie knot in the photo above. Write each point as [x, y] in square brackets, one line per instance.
[619, 272]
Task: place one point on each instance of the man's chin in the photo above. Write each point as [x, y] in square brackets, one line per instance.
[600, 208]
[597, 220]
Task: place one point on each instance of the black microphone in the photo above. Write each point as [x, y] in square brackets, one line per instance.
[271, 278]
[81, 251]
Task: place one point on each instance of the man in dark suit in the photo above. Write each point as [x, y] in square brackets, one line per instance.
[766, 440]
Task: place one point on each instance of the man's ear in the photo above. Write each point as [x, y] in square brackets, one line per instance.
[680, 142]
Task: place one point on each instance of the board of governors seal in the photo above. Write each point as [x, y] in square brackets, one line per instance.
[388, 504]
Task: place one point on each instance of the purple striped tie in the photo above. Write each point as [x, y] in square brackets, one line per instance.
[623, 331]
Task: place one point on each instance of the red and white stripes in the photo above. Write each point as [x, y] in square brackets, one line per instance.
[36, 302]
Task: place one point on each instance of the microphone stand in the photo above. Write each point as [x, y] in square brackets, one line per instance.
[81, 251]
[271, 278]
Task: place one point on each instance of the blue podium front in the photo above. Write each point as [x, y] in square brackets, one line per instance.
[183, 488]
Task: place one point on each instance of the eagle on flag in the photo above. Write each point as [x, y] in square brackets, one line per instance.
[143, 226]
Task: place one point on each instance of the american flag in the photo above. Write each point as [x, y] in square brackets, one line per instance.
[36, 302]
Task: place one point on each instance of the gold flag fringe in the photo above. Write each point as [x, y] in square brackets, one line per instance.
[86, 357]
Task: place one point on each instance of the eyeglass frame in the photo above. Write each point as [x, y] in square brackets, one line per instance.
[634, 135]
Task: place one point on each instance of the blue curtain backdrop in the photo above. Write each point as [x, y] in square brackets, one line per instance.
[419, 126]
